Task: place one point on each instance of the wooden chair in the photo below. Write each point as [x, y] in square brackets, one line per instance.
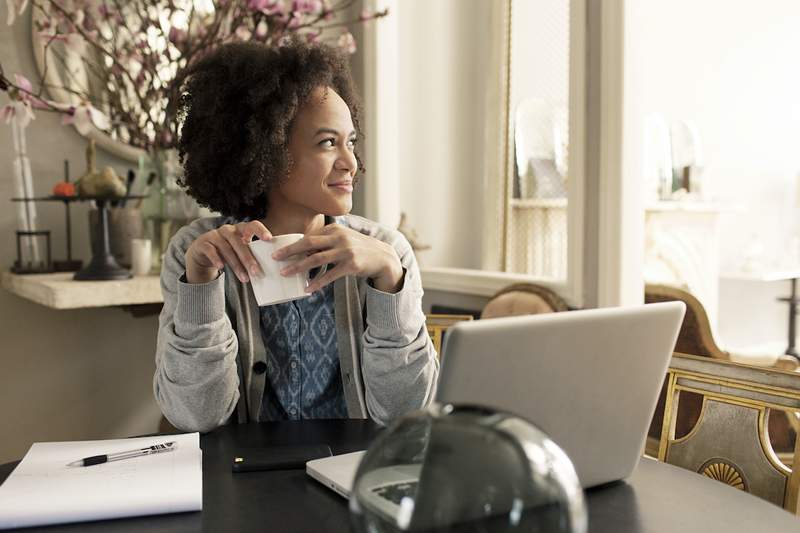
[730, 442]
[437, 324]
[696, 338]
[523, 299]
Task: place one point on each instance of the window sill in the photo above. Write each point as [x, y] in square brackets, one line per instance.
[476, 282]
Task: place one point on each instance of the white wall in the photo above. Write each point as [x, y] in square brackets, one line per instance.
[64, 375]
[731, 67]
[442, 75]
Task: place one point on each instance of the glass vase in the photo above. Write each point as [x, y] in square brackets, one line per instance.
[167, 207]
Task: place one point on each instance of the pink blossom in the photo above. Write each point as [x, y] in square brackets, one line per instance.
[18, 110]
[166, 137]
[84, 116]
[257, 5]
[364, 15]
[313, 37]
[347, 42]
[268, 7]
[176, 35]
[14, 8]
[306, 6]
[23, 83]
[89, 23]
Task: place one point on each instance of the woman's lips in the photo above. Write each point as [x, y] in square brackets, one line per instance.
[344, 186]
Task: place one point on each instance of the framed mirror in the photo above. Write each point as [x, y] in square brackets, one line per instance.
[65, 72]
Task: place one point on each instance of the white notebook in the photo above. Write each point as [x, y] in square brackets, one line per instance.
[44, 490]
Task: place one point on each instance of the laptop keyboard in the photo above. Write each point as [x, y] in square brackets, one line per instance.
[397, 491]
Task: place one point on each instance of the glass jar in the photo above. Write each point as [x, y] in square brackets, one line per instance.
[471, 469]
[167, 207]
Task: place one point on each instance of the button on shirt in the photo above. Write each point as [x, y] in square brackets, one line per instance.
[303, 374]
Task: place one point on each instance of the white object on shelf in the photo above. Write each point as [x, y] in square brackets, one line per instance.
[60, 291]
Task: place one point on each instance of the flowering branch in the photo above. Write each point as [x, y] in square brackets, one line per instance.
[131, 53]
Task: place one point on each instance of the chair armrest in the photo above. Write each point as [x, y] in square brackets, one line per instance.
[768, 360]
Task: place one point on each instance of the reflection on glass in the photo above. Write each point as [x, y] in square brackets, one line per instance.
[450, 468]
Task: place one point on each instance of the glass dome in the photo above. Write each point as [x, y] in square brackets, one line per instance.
[466, 469]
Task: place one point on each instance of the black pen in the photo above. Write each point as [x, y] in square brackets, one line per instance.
[100, 459]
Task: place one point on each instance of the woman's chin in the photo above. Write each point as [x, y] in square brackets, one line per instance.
[339, 208]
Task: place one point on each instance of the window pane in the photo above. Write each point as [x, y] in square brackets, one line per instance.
[536, 232]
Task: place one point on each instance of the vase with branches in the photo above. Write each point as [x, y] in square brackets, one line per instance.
[121, 62]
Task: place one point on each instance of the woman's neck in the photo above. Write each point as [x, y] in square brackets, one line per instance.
[281, 220]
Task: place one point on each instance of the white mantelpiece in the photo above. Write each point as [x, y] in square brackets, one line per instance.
[682, 249]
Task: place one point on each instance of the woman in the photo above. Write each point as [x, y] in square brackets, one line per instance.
[269, 140]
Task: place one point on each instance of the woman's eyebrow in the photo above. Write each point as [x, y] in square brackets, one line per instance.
[332, 132]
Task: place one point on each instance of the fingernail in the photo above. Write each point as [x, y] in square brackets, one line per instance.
[243, 277]
[254, 270]
[275, 255]
[309, 289]
[286, 271]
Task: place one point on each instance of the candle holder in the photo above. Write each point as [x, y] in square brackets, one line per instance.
[102, 266]
[31, 266]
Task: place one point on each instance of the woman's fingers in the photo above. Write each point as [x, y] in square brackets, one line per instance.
[312, 261]
[246, 262]
[328, 277]
[254, 227]
[229, 256]
[309, 243]
[210, 252]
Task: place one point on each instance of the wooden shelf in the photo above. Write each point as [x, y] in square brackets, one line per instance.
[60, 291]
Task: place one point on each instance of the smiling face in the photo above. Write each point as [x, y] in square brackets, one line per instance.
[321, 147]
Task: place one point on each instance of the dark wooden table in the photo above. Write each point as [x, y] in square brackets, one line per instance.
[658, 498]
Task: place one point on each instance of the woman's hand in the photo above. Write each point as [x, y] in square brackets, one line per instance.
[226, 245]
[351, 253]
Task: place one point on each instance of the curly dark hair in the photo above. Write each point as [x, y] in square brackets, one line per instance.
[237, 106]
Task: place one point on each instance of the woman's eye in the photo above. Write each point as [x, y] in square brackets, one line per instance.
[328, 142]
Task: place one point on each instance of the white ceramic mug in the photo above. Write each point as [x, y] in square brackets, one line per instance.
[141, 256]
[272, 288]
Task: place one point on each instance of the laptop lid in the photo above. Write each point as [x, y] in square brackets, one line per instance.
[589, 379]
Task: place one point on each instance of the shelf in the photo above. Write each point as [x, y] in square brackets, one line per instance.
[683, 206]
[60, 291]
[763, 276]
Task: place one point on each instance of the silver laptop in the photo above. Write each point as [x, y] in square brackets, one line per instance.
[589, 379]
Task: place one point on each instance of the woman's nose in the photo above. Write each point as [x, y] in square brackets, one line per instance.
[347, 161]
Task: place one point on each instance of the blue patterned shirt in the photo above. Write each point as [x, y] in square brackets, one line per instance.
[303, 375]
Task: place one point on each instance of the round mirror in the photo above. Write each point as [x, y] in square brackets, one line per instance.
[67, 73]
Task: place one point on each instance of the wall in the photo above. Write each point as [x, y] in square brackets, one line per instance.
[65, 374]
[442, 73]
[731, 68]
[78, 374]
